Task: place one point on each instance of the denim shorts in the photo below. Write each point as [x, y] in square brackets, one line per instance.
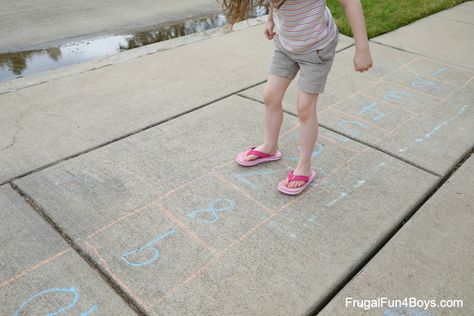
[314, 66]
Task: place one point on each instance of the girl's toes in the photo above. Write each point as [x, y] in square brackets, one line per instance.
[249, 157]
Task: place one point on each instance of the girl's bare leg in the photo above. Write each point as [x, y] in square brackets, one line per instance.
[306, 108]
[272, 97]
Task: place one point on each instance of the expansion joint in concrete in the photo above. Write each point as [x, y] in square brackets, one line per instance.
[86, 257]
[126, 135]
[352, 274]
[354, 139]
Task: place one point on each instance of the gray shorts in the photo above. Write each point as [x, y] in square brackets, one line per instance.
[314, 65]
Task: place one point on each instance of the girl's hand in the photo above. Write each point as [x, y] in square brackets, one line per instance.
[362, 60]
[269, 33]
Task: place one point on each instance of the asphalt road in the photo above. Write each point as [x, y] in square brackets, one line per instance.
[28, 24]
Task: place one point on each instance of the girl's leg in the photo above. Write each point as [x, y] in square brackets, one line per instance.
[272, 96]
[306, 108]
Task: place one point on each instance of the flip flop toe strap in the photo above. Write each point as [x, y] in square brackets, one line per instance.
[292, 177]
[257, 153]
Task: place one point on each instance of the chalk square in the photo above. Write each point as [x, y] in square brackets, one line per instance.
[25, 238]
[215, 211]
[373, 112]
[352, 126]
[401, 96]
[426, 84]
[435, 139]
[330, 150]
[259, 183]
[428, 68]
[148, 254]
[65, 282]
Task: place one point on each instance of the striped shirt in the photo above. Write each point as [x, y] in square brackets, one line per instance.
[304, 25]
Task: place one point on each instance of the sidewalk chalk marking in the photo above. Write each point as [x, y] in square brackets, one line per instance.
[354, 133]
[150, 247]
[91, 310]
[285, 229]
[397, 96]
[434, 129]
[437, 72]
[370, 108]
[32, 268]
[316, 153]
[114, 276]
[343, 194]
[62, 310]
[211, 209]
[243, 177]
[422, 83]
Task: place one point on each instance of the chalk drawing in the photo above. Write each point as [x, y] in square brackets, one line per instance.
[422, 83]
[342, 138]
[342, 195]
[435, 129]
[90, 310]
[212, 210]
[316, 153]
[370, 108]
[407, 311]
[359, 183]
[354, 133]
[436, 73]
[397, 96]
[150, 248]
[70, 291]
[285, 229]
[243, 177]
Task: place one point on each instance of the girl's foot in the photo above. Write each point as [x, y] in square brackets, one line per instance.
[267, 150]
[299, 171]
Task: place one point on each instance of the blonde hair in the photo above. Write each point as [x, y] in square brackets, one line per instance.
[238, 10]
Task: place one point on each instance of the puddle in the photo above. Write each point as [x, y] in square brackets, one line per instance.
[24, 63]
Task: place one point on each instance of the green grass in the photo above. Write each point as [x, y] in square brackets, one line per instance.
[383, 16]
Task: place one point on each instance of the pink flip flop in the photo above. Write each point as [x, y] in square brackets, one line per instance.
[291, 177]
[263, 157]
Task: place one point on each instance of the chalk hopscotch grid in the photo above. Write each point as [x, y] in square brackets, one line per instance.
[383, 79]
[218, 255]
[131, 213]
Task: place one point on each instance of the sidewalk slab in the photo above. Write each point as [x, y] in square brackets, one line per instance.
[60, 118]
[413, 107]
[449, 40]
[143, 206]
[47, 122]
[40, 273]
[463, 12]
[430, 258]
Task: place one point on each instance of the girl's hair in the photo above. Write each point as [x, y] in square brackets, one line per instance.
[238, 10]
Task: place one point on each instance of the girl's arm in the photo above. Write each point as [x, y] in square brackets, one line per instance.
[269, 33]
[355, 15]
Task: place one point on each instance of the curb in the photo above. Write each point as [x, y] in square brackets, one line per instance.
[74, 69]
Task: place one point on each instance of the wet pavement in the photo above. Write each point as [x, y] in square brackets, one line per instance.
[23, 63]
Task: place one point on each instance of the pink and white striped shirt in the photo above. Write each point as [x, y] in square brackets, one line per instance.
[304, 25]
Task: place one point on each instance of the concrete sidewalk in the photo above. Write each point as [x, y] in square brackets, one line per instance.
[121, 194]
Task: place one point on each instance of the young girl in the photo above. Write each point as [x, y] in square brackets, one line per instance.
[305, 38]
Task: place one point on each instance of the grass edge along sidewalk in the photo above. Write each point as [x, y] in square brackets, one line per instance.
[383, 16]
